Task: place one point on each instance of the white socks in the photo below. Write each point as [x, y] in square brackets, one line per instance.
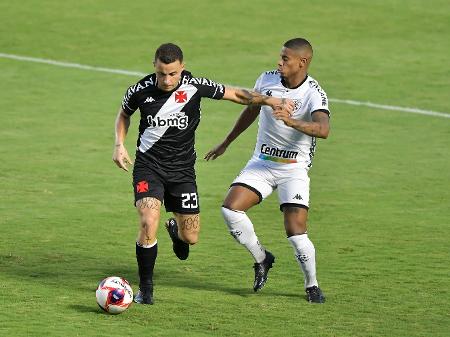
[306, 256]
[241, 228]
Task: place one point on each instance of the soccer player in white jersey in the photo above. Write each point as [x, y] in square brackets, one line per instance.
[283, 155]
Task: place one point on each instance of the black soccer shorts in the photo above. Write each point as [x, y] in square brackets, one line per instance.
[176, 190]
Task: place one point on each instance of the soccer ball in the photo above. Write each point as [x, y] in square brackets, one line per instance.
[114, 294]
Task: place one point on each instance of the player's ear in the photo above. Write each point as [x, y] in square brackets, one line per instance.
[182, 65]
[303, 62]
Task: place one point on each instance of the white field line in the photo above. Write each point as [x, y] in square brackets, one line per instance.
[391, 107]
[70, 65]
[137, 73]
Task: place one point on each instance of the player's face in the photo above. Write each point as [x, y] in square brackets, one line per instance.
[290, 63]
[168, 75]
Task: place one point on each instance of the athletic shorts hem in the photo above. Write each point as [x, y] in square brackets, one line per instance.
[290, 204]
[193, 212]
[148, 196]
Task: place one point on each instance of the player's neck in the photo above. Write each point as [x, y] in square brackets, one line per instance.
[294, 81]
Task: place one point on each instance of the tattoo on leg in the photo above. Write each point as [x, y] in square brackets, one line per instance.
[190, 223]
[150, 203]
[145, 231]
[146, 228]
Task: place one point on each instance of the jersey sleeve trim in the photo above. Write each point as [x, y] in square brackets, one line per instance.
[127, 109]
[323, 110]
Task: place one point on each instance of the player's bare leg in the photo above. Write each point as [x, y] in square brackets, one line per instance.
[236, 203]
[184, 230]
[149, 210]
[296, 230]
[188, 227]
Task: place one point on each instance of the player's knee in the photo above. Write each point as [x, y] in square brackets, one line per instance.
[148, 227]
[295, 228]
[191, 238]
[295, 219]
[234, 204]
[231, 216]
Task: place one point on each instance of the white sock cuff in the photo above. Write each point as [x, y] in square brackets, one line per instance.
[232, 216]
[298, 240]
[147, 246]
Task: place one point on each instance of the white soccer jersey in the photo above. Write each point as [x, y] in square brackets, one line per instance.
[280, 144]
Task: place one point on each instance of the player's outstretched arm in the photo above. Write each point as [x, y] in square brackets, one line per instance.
[246, 119]
[318, 127]
[120, 153]
[246, 97]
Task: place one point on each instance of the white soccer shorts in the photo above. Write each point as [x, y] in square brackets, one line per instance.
[292, 182]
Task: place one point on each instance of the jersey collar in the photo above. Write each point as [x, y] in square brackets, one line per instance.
[298, 86]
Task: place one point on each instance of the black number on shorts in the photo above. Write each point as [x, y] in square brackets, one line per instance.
[189, 200]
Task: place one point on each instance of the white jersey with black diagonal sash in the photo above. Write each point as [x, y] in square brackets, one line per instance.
[169, 119]
[280, 144]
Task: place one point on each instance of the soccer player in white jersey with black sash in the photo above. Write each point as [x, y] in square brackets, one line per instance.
[169, 104]
[283, 155]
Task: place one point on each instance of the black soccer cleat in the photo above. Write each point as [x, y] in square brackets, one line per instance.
[180, 248]
[314, 295]
[144, 296]
[261, 271]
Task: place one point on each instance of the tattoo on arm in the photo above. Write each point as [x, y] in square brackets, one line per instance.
[250, 97]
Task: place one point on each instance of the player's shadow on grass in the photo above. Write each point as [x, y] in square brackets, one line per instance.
[167, 273]
[174, 277]
[86, 309]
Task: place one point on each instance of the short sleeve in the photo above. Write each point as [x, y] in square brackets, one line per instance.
[319, 99]
[129, 102]
[208, 88]
[258, 83]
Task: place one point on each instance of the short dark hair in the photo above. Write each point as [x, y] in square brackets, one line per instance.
[168, 53]
[298, 43]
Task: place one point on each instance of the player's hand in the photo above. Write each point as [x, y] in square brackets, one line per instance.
[216, 152]
[283, 115]
[285, 104]
[121, 157]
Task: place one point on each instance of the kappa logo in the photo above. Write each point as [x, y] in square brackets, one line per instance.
[142, 186]
[149, 99]
[180, 96]
[298, 197]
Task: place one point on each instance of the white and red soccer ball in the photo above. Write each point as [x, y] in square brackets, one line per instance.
[114, 294]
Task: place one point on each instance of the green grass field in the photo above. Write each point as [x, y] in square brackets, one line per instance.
[380, 196]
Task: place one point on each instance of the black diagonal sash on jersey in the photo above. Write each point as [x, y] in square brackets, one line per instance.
[152, 134]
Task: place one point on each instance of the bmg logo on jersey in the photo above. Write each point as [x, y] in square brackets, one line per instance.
[178, 120]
